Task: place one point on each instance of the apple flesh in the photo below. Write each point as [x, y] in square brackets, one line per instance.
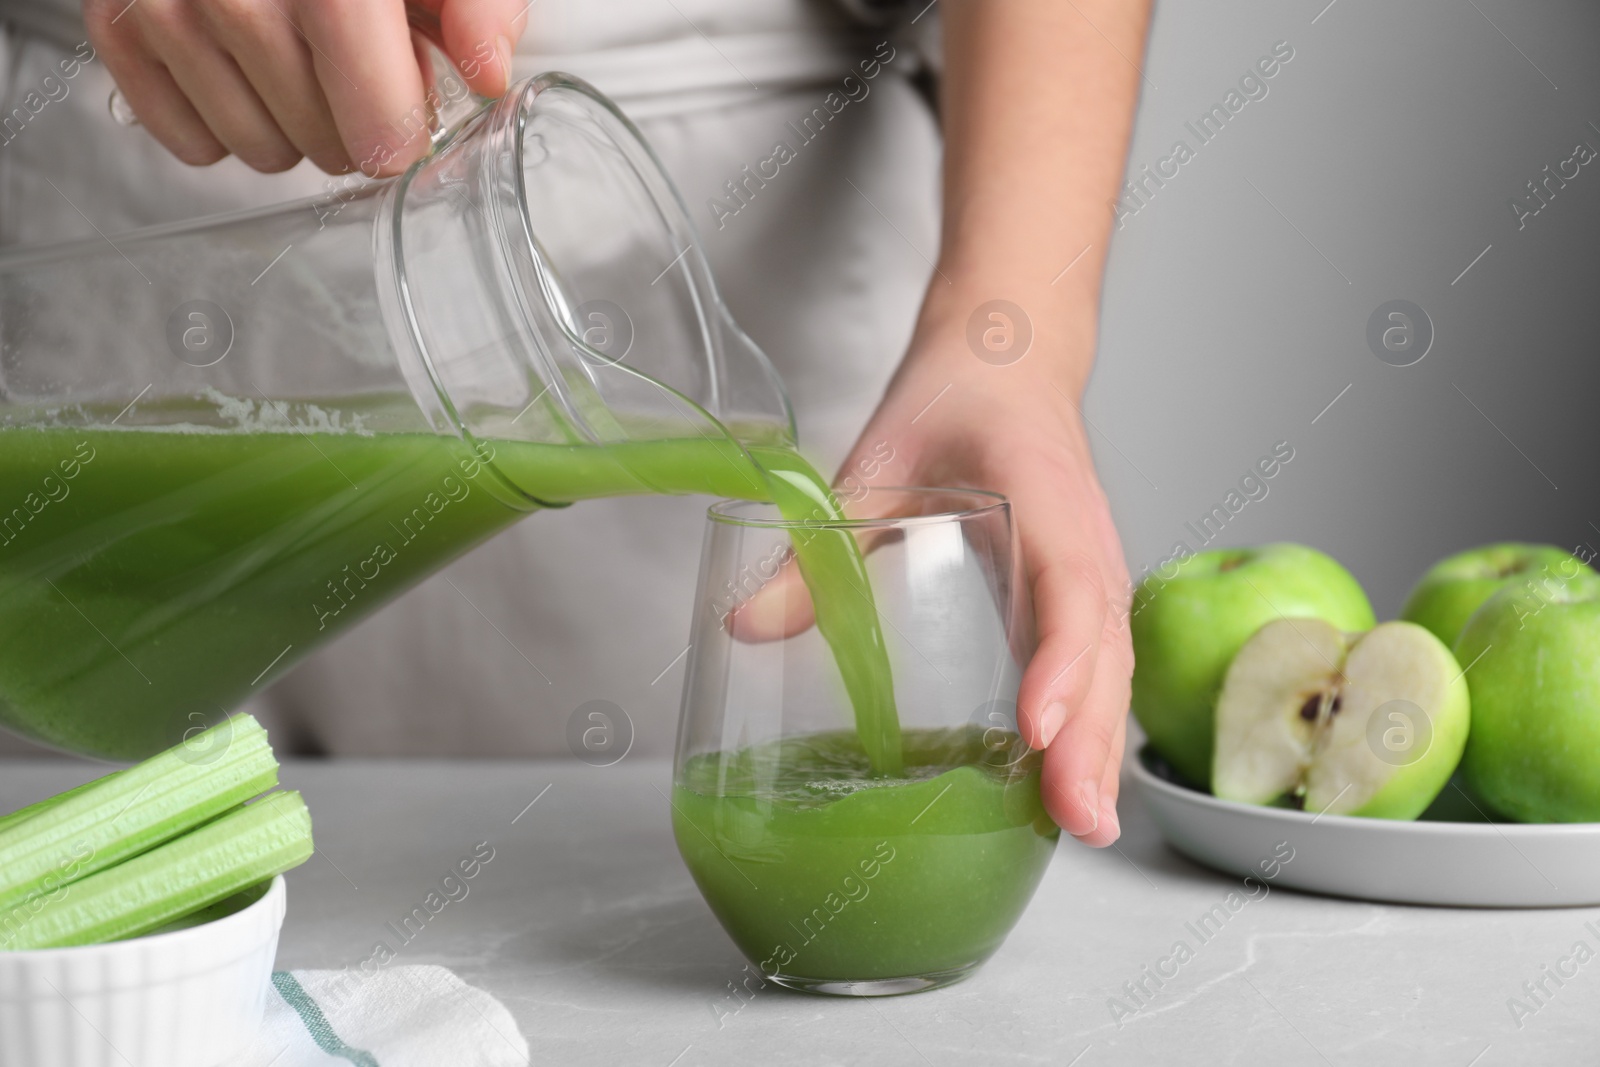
[1187, 628]
[1534, 671]
[1349, 724]
[1455, 587]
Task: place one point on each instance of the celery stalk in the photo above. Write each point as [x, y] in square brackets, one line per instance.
[129, 812]
[7, 821]
[244, 847]
[212, 912]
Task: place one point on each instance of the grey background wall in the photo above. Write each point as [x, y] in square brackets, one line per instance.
[1378, 166]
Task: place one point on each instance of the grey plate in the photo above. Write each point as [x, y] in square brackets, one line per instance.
[1475, 864]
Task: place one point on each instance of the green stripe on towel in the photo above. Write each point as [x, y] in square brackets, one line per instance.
[316, 1023]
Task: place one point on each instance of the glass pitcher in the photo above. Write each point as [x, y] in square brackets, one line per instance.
[223, 442]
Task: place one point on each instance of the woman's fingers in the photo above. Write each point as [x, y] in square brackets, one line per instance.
[1073, 701]
[273, 55]
[773, 606]
[270, 80]
[274, 80]
[1111, 782]
[365, 64]
[479, 38]
[1079, 785]
[771, 603]
[1070, 606]
[218, 89]
[148, 86]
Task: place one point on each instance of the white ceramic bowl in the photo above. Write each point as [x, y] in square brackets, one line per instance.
[189, 998]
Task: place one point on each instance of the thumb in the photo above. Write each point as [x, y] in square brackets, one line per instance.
[780, 606]
[479, 36]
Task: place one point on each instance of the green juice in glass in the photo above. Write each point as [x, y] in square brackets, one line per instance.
[824, 874]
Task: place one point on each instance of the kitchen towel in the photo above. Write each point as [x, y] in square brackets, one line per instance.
[390, 1017]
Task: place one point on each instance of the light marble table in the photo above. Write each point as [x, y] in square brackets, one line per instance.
[587, 925]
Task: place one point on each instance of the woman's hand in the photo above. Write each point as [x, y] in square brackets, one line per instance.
[996, 408]
[1037, 105]
[959, 414]
[340, 82]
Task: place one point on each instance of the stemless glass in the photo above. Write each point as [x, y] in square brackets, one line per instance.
[828, 878]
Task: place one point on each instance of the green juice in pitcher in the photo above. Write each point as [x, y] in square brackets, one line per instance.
[150, 580]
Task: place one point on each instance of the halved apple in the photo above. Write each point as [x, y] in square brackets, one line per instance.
[1369, 724]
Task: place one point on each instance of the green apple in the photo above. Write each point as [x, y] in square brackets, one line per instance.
[1188, 626]
[1533, 665]
[1457, 585]
[1350, 724]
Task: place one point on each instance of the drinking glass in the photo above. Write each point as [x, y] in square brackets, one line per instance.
[830, 876]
